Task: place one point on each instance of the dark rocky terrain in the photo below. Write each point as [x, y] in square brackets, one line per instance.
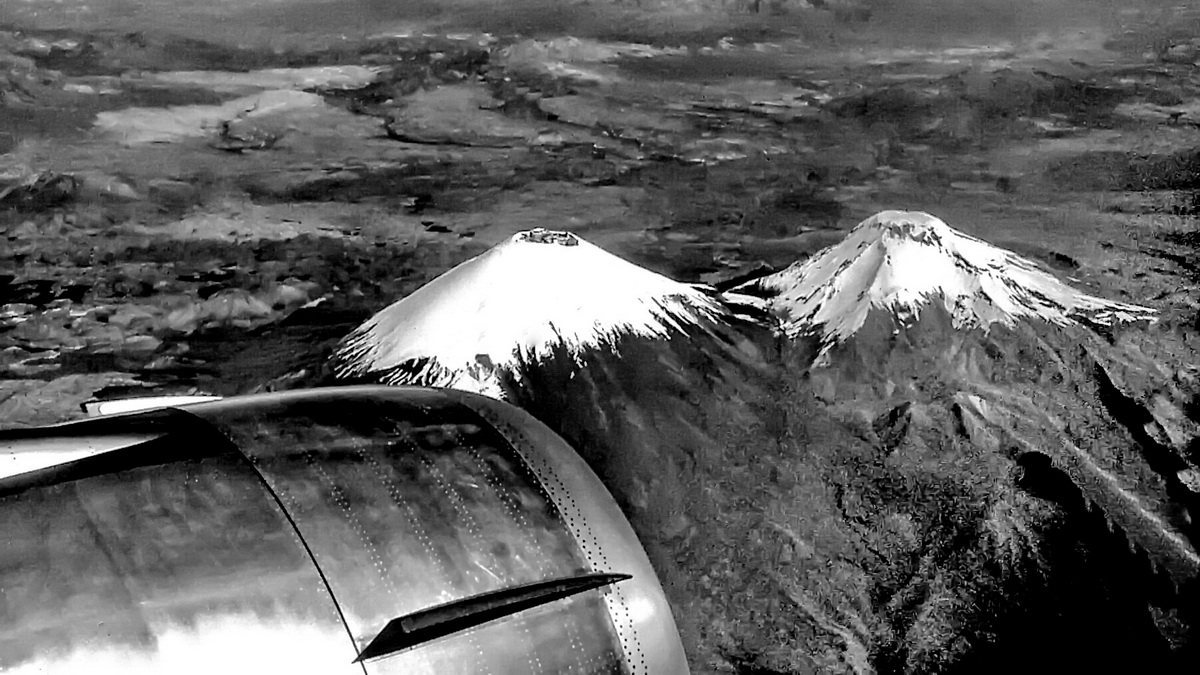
[190, 202]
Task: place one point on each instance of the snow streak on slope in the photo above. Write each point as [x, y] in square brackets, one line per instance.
[904, 260]
[539, 290]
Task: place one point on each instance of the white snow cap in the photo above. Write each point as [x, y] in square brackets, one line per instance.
[903, 260]
[538, 291]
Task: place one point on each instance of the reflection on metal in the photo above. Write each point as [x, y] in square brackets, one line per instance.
[129, 405]
[407, 507]
[639, 609]
[164, 556]
[430, 624]
[43, 453]
[280, 532]
[46, 455]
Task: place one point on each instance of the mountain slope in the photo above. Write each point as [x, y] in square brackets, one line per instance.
[907, 308]
[938, 338]
[538, 291]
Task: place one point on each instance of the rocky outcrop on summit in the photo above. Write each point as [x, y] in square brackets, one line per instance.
[903, 261]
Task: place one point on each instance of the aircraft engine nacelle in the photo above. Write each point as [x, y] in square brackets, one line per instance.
[341, 530]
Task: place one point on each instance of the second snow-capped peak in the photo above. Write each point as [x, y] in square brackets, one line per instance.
[900, 261]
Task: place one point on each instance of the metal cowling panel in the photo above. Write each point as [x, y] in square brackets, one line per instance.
[167, 556]
[409, 500]
[639, 609]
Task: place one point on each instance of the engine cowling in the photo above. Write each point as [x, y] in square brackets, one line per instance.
[348, 529]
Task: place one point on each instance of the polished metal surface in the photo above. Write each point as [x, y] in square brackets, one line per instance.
[177, 567]
[408, 506]
[18, 457]
[138, 404]
[639, 607]
[283, 532]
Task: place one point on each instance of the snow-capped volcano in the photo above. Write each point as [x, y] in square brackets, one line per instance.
[536, 293]
[902, 261]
